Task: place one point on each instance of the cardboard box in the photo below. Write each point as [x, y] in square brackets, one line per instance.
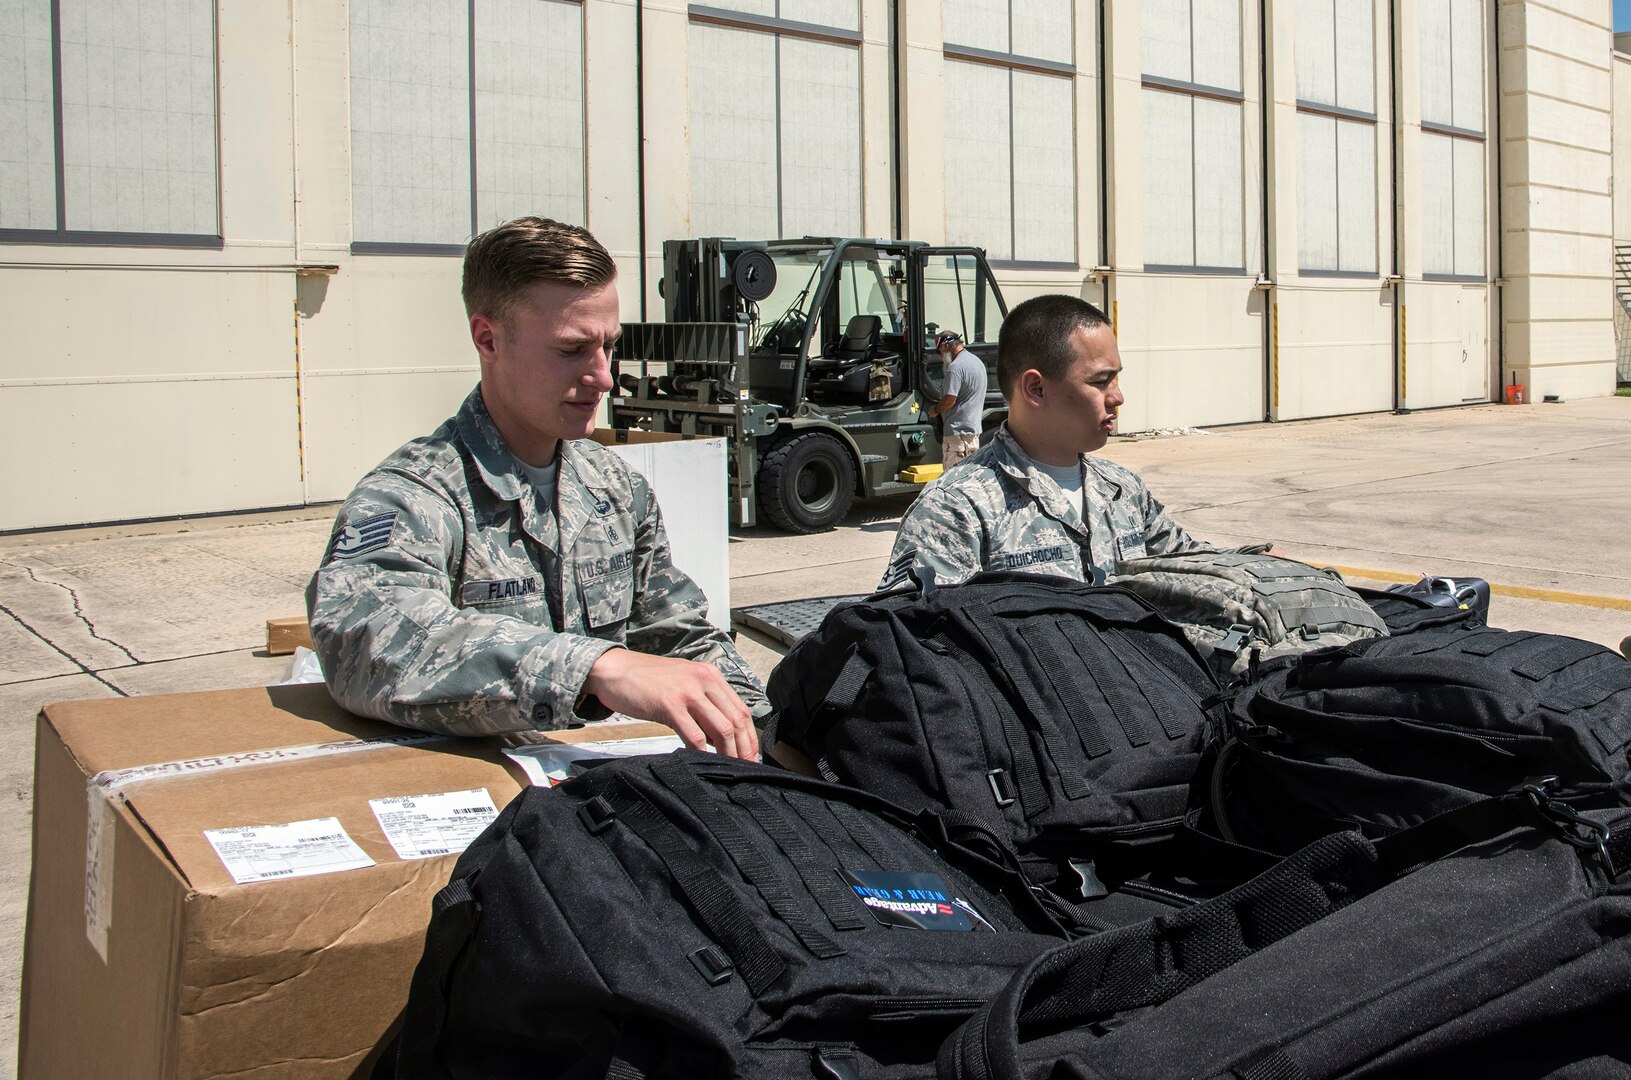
[283, 636]
[202, 976]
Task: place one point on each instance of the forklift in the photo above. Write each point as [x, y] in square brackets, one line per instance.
[815, 359]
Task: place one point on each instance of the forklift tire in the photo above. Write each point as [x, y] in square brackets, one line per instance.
[807, 483]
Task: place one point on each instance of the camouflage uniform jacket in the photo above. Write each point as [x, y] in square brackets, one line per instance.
[995, 511]
[448, 600]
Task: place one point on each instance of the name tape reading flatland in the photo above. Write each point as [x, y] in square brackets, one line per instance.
[103, 789]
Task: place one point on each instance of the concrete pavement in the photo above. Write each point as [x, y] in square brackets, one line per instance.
[1533, 498]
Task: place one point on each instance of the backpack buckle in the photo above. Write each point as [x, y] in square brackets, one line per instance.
[597, 815]
[1000, 787]
[712, 965]
[1574, 827]
[1235, 639]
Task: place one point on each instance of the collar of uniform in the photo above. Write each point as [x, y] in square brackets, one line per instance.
[494, 461]
[583, 466]
[1015, 462]
[579, 503]
[1097, 472]
[1012, 461]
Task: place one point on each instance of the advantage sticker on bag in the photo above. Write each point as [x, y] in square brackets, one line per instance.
[424, 826]
[917, 901]
[297, 849]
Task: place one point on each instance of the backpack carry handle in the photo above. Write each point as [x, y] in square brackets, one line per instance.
[1150, 962]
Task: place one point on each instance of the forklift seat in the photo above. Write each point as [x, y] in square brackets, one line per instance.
[860, 339]
[845, 376]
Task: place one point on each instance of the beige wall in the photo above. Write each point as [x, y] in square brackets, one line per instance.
[149, 381]
[155, 382]
[1557, 208]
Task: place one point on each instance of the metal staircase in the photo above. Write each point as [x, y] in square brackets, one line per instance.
[1622, 317]
[1622, 275]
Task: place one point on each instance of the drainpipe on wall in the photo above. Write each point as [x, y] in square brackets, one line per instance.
[1265, 278]
[1395, 278]
[1103, 269]
[294, 217]
[897, 61]
[1497, 294]
[640, 143]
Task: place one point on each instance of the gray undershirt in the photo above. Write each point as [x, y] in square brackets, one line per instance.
[544, 481]
[1069, 479]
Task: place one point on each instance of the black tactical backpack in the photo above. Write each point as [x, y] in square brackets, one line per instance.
[1056, 713]
[1379, 735]
[690, 916]
[1509, 958]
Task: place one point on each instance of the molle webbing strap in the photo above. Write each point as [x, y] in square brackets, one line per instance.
[854, 825]
[1108, 674]
[1187, 676]
[846, 688]
[1171, 699]
[1068, 692]
[817, 876]
[1587, 693]
[1066, 758]
[1555, 658]
[1336, 618]
[725, 918]
[1032, 798]
[1272, 1065]
[754, 868]
[1489, 642]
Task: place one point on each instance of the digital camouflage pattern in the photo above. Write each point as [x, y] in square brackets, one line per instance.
[996, 511]
[448, 600]
[1282, 606]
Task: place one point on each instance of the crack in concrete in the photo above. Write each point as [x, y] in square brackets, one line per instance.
[70, 657]
[79, 613]
[138, 665]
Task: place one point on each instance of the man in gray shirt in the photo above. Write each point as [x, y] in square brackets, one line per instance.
[962, 399]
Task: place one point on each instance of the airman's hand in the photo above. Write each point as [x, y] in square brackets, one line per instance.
[692, 698]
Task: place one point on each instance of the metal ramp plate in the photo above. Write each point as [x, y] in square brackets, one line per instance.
[789, 620]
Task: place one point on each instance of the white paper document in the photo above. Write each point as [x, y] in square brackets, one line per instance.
[424, 826]
[298, 849]
[549, 764]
